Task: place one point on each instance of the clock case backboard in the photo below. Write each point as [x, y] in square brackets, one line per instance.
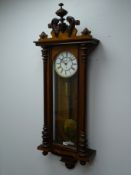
[64, 37]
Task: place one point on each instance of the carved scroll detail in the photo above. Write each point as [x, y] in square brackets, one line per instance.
[64, 28]
[86, 32]
[59, 26]
[43, 35]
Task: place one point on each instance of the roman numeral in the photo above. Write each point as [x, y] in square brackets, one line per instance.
[58, 67]
[72, 58]
[72, 68]
[62, 56]
[61, 70]
[66, 54]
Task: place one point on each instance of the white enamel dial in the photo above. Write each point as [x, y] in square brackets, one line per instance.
[66, 64]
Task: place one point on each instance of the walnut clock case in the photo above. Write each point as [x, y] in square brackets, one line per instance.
[65, 57]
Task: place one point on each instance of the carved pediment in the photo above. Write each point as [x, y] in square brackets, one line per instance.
[64, 28]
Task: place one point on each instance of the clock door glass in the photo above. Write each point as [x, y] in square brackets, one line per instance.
[65, 95]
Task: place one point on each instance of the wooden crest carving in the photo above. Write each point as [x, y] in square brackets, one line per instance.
[64, 28]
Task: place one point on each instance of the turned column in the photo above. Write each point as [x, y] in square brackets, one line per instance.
[45, 132]
[82, 99]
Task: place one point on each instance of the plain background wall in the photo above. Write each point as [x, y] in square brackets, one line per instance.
[21, 94]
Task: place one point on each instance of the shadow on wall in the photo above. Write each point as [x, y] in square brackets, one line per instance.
[97, 62]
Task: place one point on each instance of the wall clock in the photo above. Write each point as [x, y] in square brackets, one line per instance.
[65, 57]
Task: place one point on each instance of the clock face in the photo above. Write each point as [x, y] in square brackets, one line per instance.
[66, 64]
